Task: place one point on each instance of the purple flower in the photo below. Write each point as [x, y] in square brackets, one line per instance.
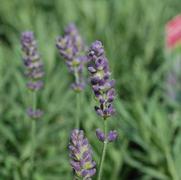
[100, 135]
[71, 48]
[32, 61]
[102, 85]
[112, 136]
[34, 67]
[78, 87]
[81, 155]
[35, 114]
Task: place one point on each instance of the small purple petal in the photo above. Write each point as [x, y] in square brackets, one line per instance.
[100, 135]
[34, 86]
[87, 173]
[99, 111]
[78, 87]
[34, 114]
[112, 136]
[91, 69]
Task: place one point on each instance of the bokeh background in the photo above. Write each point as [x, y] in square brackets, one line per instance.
[148, 122]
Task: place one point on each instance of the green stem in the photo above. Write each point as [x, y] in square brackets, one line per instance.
[78, 100]
[78, 104]
[33, 133]
[101, 164]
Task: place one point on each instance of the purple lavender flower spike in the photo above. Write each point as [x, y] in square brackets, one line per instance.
[81, 155]
[112, 136]
[71, 48]
[32, 61]
[34, 68]
[102, 85]
[100, 135]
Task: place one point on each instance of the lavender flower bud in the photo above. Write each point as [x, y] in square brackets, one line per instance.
[102, 85]
[100, 135]
[81, 155]
[112, 136]
[71, 48]
[36, 85]
[32, 61]
[78, 87]
[35, 114]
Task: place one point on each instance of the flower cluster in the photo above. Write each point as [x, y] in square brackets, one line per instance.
[34, 67]
[35, 114]
[102, 85]
[112, 135]
[71, 48]
[32, 61]
[81, 155]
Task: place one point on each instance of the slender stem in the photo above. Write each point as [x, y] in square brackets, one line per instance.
[101, 164]
[33, 132]
[78, 104]
[78, 100]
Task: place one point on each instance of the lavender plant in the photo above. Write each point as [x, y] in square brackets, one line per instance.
[72, 49]
[34, 73]
[81, 156]
[103, 88]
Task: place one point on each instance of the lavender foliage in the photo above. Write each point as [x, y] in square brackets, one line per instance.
[102, 85]
[32, 61]
[72, 48]
[81, 155]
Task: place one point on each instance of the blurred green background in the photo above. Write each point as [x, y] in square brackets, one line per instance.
[132, 31]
